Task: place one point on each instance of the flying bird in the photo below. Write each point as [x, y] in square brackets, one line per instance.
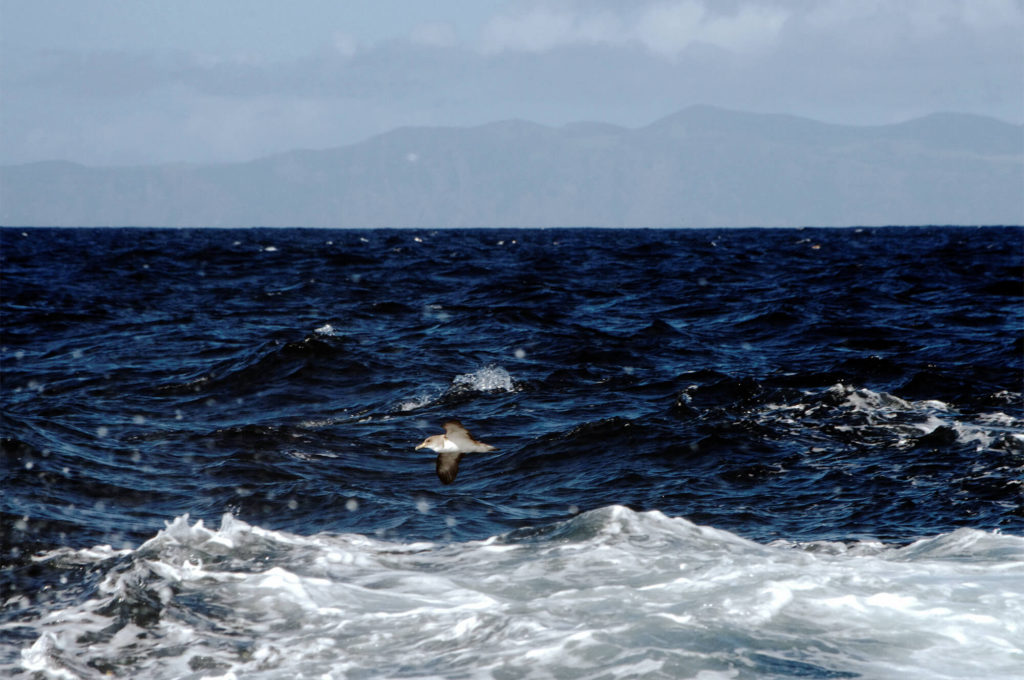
[450, 448]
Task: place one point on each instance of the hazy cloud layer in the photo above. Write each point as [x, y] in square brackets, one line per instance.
[326, 80]
[664, 28]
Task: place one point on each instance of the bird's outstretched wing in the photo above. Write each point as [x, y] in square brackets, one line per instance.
[448, 466]
[461, 437]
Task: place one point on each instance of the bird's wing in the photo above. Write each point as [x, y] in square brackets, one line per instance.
[454, 428]
[448, 466]
[461, 437]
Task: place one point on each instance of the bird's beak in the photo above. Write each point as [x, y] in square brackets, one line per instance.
[420, 446]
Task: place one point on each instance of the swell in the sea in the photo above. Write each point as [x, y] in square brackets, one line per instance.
[843, 407]
[610, 592]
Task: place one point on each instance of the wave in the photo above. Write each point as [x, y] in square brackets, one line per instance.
[612, 590]
[491, 379]
[864, 391]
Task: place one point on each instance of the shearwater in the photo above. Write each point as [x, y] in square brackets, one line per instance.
[450, 448]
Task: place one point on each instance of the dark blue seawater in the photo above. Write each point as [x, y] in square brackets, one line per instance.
[835, 391]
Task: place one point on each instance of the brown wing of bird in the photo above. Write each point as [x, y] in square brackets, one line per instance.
[461, 437]
[448, 466]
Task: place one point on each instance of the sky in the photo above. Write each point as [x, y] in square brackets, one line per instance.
[125, 82]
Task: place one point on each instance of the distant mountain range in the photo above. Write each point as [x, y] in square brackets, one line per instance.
[702, 166]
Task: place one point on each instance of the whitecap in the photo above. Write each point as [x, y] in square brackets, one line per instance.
[487, 379]
[610, 590]
[880, 414]
[417, 402]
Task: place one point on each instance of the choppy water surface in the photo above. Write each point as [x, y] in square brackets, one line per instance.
[721, 454]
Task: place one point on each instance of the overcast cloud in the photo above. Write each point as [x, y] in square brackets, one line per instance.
[148, 81]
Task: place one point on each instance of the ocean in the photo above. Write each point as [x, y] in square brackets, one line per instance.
[747, 453]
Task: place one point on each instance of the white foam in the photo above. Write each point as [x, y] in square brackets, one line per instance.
[883, 414]
[487, 379]
[877, 403]
[610, 591]
[484, 380]
[418, 402]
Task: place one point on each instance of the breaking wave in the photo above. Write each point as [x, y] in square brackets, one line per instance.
[612, 589]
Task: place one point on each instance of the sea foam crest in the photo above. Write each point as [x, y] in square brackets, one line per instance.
[883, 415]
[610, 589]
[327, 329]
[417, 402]
[487, 379]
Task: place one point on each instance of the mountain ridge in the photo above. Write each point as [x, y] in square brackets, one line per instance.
[701, 166]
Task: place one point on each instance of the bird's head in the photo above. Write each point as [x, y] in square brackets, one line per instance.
[435, 442]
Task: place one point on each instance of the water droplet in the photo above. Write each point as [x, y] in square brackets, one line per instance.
[351, 505]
